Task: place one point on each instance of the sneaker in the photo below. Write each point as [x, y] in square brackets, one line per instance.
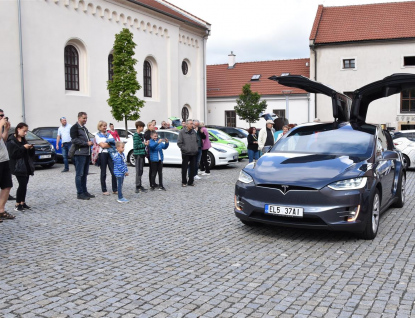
[137, 190]
[191, 185]
[89, 195]
[65, 170]
[19, 208]
[25, 206]
[162, 189]
[152, 188]
[123, 200]
[142, 189]
[197, 177]
[184, 185]
[82, 197]
[201, 172]
[206, 174]
[11, 198]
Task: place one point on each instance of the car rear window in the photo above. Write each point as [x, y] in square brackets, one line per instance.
[328, 139]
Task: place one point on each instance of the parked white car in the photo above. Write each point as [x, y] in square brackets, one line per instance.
[405, 142]
[122, 134]
[218, 154]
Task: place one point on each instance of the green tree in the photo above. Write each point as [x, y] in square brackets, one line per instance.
[124, 85]
[249, 105]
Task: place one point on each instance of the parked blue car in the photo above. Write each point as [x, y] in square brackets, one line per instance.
[50, 134]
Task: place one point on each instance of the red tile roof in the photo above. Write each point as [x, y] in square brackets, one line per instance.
[224, 82]
[167, 8]
[381, 21]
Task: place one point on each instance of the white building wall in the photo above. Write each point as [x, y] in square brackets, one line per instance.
[298, 109]
[48, 26]
[374, 61]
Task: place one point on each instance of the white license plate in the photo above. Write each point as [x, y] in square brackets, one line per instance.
[235, 157]
[45, 156]
[244, 152]
[284, 211]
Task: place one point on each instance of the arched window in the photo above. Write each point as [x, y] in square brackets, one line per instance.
[185, 67]
[147, 79]
[71, 68]
[185, 113]
[110, 67]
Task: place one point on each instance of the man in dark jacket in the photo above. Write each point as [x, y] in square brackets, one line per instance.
[80, 139]
[187, 142]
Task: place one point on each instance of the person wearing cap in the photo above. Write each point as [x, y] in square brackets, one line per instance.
[64, 133]
[266, 136]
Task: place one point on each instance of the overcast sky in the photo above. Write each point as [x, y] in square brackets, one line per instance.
[259, 30]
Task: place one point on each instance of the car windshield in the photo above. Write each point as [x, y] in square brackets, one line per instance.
[329, 139]
[400, 134]
[221, 134]
[32, 136]
[242, 131]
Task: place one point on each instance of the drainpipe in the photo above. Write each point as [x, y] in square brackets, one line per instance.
[204, 76]
[312, 47]
[21, 61]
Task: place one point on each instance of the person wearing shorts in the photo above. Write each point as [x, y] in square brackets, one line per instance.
[5, 175]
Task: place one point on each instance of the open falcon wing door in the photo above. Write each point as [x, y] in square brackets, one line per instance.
[388, 86]
[341, 104]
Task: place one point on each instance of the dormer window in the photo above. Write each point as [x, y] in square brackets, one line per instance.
[255, 77]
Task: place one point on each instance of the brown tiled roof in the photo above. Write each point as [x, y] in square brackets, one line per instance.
[223, 82]
[380, 21]
[168, 10]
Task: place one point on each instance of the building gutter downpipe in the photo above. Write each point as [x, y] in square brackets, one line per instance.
[21, 61]
[312, 47]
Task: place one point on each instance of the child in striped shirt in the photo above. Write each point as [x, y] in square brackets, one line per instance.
[120, 169]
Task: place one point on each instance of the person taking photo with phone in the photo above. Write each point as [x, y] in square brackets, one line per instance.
[21, 163]
[5, 174]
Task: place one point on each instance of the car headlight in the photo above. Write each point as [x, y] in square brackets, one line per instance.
[232, 145]
[349, 184]
[244, 177]
[52, 148]
[220, 150]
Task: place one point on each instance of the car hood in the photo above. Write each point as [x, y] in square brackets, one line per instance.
[305, 170]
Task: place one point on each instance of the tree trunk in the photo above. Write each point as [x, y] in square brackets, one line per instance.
[126, 127]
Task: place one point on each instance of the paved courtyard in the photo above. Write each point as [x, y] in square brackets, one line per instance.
[182, 253]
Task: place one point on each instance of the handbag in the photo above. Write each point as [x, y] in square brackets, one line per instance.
[95, 152]
[71, 151]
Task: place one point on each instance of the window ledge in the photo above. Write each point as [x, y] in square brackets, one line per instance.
[75, 93]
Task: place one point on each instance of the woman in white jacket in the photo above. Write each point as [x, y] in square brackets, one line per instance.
[266, 135]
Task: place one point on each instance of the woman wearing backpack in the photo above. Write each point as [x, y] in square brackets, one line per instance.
[106, 144]
[21, 163]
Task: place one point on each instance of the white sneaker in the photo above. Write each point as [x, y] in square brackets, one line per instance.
[201, 172]
[197, 177]
[206, 174]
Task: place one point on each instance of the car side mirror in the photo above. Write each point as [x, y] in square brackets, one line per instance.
[266, 149]
[390, 155]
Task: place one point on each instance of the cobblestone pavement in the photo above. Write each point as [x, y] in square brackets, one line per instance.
[183, 253]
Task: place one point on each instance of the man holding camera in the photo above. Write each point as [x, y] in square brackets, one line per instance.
[5, 174]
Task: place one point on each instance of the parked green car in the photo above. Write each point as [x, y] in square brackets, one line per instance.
[216, 135]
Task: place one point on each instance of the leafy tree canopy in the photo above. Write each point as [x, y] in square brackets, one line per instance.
[249, 106]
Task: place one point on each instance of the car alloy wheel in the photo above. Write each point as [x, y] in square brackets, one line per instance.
[131, 158]
[375, 213]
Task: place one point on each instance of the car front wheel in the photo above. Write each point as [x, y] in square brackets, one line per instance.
[372, 222]
[131, 158]
[406, 162]
[210, 160]
[401, 193]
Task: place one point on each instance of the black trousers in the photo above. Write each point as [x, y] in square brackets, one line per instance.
[156, 168]
[204, 165]
[22, 189]
[106, 160]
[188, 160]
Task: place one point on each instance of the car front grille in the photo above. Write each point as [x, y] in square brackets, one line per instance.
[286, 188]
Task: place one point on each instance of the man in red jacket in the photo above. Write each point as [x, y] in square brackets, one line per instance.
[114, 133]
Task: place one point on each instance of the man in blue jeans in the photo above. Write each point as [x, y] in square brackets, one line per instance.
[82, 155]
[64, 133]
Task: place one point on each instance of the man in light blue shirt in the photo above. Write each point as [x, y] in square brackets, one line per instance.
[65, 135]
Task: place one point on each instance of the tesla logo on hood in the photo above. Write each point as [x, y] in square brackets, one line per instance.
[284, 189]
